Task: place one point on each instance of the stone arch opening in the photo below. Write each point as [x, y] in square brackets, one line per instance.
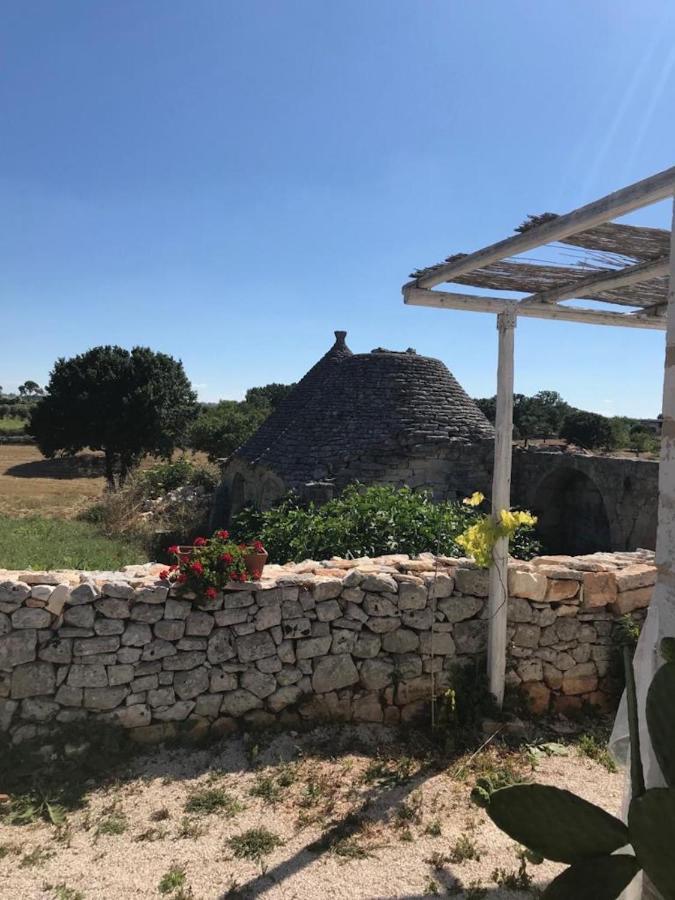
[572, 514]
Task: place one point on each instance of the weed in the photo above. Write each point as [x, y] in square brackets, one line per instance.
[114, 824]
[437, 860]
[210, 800]
[514, 881]
[494, 771]
[160, 815]
[464, 848]
[410, 810]
[405, 835]
[267, 788]
[36, 857]
[152, 834]
[28, 808]
[172, 880]
[190, 828]
[431, 887]
[390, 771]
[254, 843]
[433, 829]
[63, 892]
[588, 745]
[474, 891]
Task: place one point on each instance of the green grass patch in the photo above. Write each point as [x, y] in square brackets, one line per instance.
[11, 425]
[172, 880]
[211, 800]
[254, 843]
[38, 543]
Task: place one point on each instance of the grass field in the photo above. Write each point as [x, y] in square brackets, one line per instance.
[11, 425]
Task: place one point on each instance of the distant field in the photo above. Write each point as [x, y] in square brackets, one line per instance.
[37, 543]
[56, 488]
[11, 425]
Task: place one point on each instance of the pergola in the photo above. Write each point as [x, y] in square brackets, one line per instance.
[629, 273]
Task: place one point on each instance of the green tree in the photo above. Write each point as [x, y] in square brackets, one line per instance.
[539, 415]
[587, 429]
[269, 395]
[220, 429]
[30, 389]
[124, 403]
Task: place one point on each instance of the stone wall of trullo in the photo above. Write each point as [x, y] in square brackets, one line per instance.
[341, 639]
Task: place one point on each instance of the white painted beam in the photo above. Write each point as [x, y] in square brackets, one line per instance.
[501, 499]
[642, 193]
[602, 281]
[414, 296]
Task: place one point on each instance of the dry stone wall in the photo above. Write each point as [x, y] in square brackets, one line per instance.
[341, 639]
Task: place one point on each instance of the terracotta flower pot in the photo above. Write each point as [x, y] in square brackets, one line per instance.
[255, 563]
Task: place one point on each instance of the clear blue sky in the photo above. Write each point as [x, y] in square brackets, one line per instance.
[230, 181]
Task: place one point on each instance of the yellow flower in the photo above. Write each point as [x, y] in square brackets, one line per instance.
[474, 500]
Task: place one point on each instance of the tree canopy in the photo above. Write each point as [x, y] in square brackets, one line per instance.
[125, 403]
[587, 429]
[540, 415]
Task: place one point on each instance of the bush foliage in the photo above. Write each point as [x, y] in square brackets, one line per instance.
[366, 521]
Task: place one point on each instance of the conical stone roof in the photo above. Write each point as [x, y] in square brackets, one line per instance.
[363, 406]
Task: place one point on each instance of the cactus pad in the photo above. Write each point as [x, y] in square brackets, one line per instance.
[651, 822]
[661, 719]
[602, 878]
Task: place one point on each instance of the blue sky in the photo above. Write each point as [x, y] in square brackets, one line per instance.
[229, 182]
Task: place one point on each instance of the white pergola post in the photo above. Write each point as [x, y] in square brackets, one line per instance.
[501, 499]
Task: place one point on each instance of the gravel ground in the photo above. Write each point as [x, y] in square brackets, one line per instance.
[383, 825]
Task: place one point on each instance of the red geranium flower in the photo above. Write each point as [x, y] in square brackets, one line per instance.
[164, 574]
[197, 568]
[210, 593]
[227, 558]
[184, 559]
[222, 535]
[173, 567]
[258, 547]
[242, 546]
[173, 550]
[182, 578]
[200, 542]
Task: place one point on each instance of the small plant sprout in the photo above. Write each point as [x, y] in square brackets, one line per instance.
[172, 880]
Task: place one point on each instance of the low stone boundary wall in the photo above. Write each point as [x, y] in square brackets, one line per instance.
[342, 639]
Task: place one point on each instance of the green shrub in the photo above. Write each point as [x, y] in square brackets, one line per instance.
[365, 521]
[168, 476]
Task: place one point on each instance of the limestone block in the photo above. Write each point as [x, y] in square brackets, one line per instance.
[314, 646]
[118, 590]
[344, 641]
[561, 589]
[176, 713]
[379, 583]
[400, 641]
[545, 617]
[378, 605]
[190, 684]
[334, 672]
[221, 681]
[158, 649]
[145, 683]
[41, 592]
[163, 696]
[31, 618]
[470, 637]
[417, 690]
[292, 609]
[236, 703]
[285, 696]
[383, 624]
[409, 665]
[632, 577]
[255, 646]
[146, 612]
[457, 609]
[183, 661]
[376, 673]
[472, 581]
[120, 674]
[527, 636]
[527, 585]
[38, 709]
[567, 629]
[105, 698]
[57, 650]
[582, 653]
[156, 594]
[13, 592]
[440, 643]
[328, 610]
[87, 676]
[632, 599]
[352, 595]
[79, 616]
[86, 592]
[58, 598]
[537, 696]
[580, 679]
[259, 683]
[136, 716]
[420, 619]
[599, 589]
[530, 670]
[353, 578]
[519, 610]
[225, 617]
[564, 661]
[32, 679]
[107, 626]
[367, 708]
[238, 600]
[208, 705]
[268, 617]
[177, 609]
[90, 646]
[412, 596]
[17, 647]
[128, 654]
[296, 628]
[113, 608]
[439, 585]
[367, 645]
[288, 675]
[69, 696]
[200, 624]
[286, 652]
[169, 630]
[326, 589]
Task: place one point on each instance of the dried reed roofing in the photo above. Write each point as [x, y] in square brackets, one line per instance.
[363, 405]
[606, 248]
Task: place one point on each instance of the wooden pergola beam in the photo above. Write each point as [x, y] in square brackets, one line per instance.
[415, 296]
[602, 281]
[642, 193]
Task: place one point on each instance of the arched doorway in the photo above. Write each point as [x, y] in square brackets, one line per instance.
[572, 514]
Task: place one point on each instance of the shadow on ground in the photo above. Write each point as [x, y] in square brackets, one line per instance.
[66, 467]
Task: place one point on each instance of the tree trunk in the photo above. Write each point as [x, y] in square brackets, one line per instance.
[110, 469]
